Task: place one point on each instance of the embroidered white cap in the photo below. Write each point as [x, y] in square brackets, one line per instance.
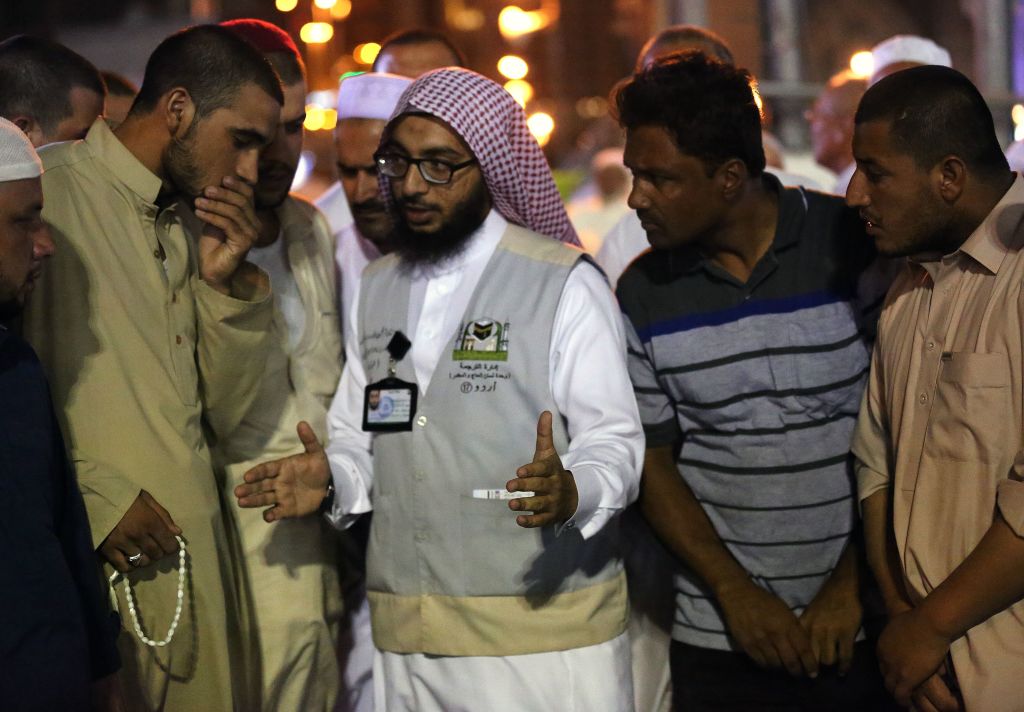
[370, 96]
[908, 48]
[18, 159]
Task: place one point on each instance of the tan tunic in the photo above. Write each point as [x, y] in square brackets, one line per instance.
[942, 426]
[291, 567]
[139, 352]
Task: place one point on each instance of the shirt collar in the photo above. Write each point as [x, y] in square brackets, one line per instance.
[125, 168]
[788, 225]
[997, 234]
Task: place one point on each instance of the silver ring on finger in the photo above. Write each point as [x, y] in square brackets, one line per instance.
[135, 560]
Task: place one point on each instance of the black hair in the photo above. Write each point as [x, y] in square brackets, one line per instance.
[118, 85]
[288, 65]
[36, 79]
[705, 104]
[212, 63]
[682, 37]
[935, 112]
[419, 35]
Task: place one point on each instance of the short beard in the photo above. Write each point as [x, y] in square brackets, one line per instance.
[266, 200]
[182, 165]
[450, 239]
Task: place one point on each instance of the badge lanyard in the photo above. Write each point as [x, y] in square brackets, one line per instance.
[389, 405]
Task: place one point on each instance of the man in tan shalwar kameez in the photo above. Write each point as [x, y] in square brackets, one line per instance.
[153, 345]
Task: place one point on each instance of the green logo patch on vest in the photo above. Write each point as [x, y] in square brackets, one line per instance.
[482, 340]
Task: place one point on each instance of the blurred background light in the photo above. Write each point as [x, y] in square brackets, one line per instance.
[366, 53]
[316, 32]
[541, 125]
[862, 64]
[513, 67]
[521, 90]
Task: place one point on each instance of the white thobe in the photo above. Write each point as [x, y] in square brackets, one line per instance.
[605, 454]
[351, 255]
[352, 251]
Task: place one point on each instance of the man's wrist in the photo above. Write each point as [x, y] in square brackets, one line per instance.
[327, 503]
[938, 619]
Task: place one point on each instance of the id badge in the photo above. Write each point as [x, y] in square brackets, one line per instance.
[389, 406]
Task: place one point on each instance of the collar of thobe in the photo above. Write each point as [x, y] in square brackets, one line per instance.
[482, 242]
[295, 222]
[994, 237]
[369, 250]
[125, 168]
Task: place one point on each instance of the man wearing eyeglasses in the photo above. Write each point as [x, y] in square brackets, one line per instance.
[494, 578]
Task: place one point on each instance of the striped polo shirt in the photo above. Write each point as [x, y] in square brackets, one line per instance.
[758, 385]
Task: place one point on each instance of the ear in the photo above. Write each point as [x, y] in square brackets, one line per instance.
[950, 176]
[731, 177]
[31, 128]
[179, 111]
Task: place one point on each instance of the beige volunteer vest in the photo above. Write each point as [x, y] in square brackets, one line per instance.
[449, 573]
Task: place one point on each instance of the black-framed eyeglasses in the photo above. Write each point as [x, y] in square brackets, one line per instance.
[433, 170]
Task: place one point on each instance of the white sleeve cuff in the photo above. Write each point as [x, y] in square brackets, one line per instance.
[351, 494]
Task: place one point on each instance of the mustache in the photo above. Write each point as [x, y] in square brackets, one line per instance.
[374, 205]
[416, 204]
[274, 169]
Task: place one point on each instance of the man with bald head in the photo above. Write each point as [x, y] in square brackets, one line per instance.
[410, 53]
[903, 52]
[831, 123]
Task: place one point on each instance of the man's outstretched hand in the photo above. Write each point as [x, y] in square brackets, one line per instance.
[554, 497]
[292, 486]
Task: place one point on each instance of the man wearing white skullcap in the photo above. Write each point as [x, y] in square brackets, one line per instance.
[905, 51]
[493, 584]
[57, 624]
[354, 206]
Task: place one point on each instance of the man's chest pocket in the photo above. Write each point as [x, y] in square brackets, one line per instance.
[971, 415]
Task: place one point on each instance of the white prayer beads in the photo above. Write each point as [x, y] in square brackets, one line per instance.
[177, 608]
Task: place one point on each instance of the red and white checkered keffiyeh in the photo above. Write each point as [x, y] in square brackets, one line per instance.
[494, 127]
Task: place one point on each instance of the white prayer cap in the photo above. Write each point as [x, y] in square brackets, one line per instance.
[18, 159]
[908, 48]
[370, 96]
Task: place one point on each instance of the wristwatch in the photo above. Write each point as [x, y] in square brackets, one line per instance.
[327, 504]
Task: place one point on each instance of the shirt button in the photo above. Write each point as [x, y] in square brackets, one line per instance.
[177, 339]
[421, 421]
[922, 399]
[418, 475]
[931, 345]
[156, 253]
[420, 536]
